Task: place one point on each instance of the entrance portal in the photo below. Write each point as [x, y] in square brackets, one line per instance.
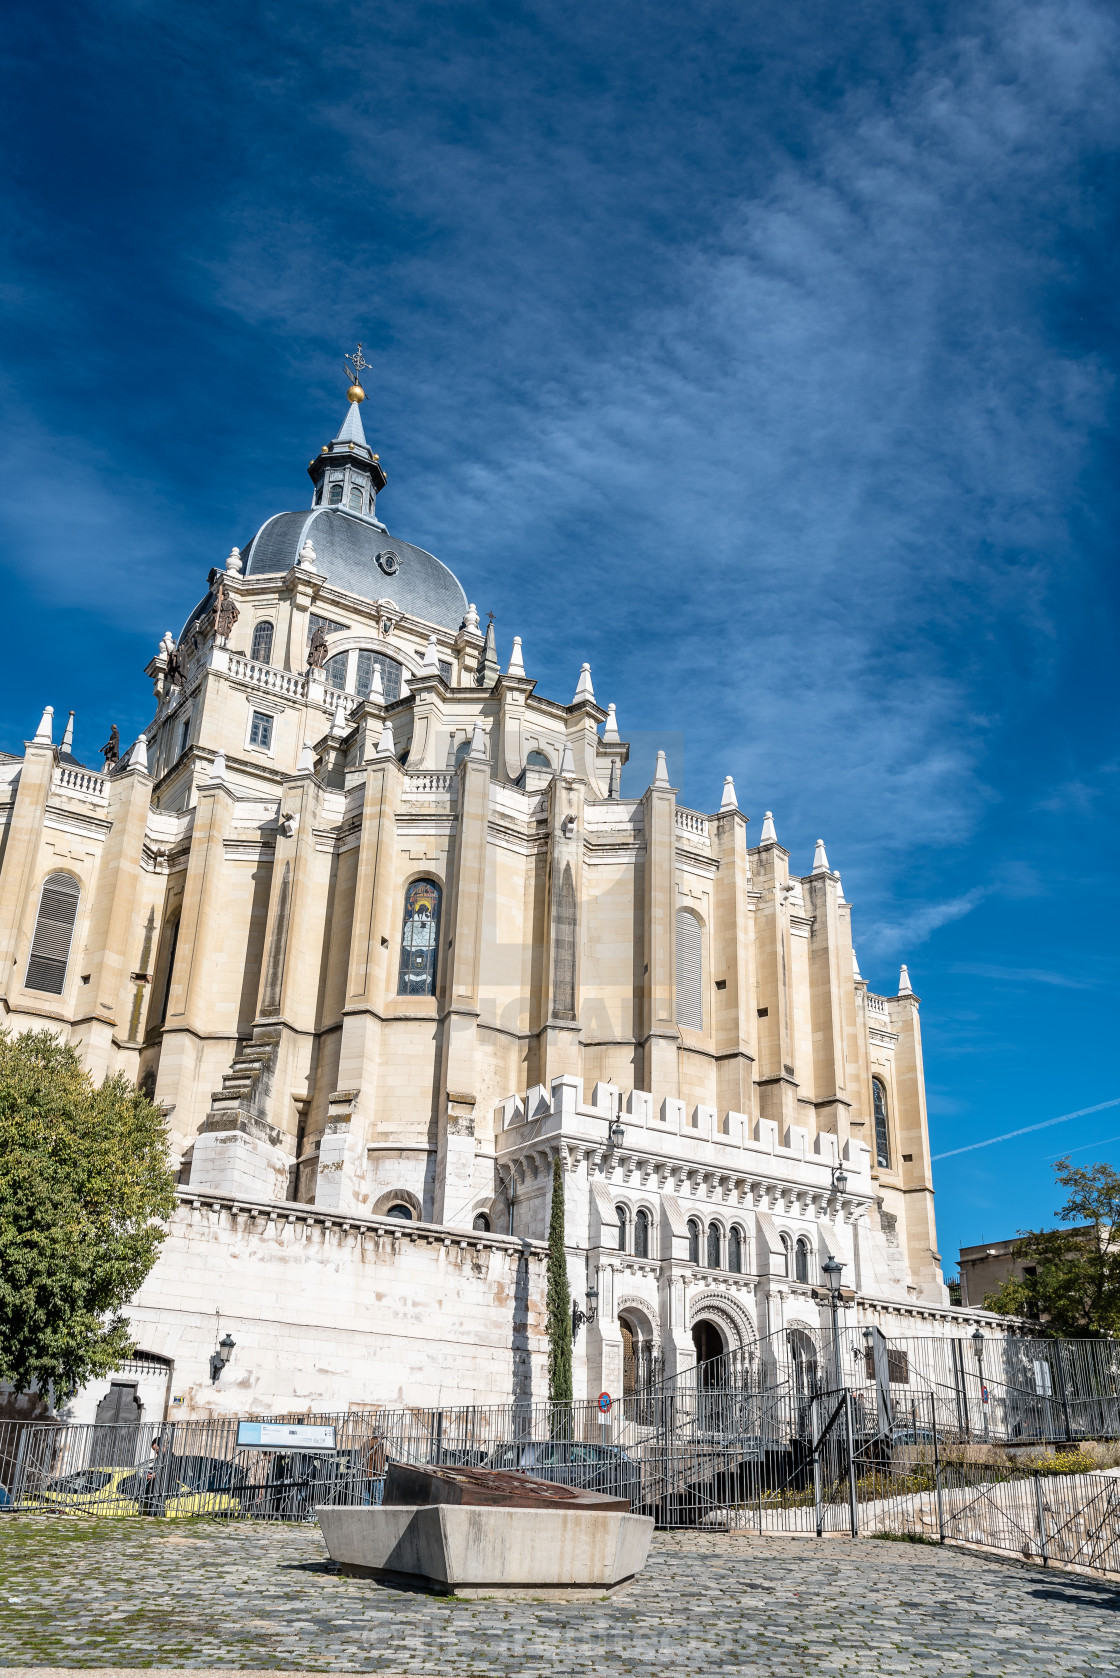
[709, 1345]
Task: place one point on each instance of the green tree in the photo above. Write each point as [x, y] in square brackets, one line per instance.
[559, 1298]
[84, 1175]
[1074, 1291]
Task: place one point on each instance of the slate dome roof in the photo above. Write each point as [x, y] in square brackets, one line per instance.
[357, 554]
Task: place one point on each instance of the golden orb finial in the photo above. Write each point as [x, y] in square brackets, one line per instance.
[353, 365]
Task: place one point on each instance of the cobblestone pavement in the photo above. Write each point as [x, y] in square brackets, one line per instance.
[206, 1595]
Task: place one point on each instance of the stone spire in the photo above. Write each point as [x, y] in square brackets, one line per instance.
[430, 666]
[567, 760]
[768, 835]
[729, 800]
[377, 687]
[489, 669]
[352, 430]
[516, 665]
[44, 734]
[338, 721]
[820, 859]
[68, 735]
[661, 773]
[585, 693]
[218, 767]
[478, 743]
[306, 764]
[610, 727]
[386, 746]
[138, 756]
[904, 986]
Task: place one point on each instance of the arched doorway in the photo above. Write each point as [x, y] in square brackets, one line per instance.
[710, 1349]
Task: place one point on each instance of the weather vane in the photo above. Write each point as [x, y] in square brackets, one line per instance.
[354, 365]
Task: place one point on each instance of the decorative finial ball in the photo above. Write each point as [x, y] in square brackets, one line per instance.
[355, 393]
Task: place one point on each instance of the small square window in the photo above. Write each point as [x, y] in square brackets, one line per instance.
[260, 734]
[763, 1012]
[445, 670]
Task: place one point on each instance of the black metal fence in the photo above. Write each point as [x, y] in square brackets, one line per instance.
[928, 1438]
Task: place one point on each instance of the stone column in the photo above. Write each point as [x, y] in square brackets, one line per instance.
[373, 947]
[777, 1079]
[113, 930]
[19, 862]
[463, 932]
[560, 1034]
[829, 964]
[193, 1021]
[660, 1038]
[912, 1128]
[731, 939]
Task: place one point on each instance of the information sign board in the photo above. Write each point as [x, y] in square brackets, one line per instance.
[287, 1436]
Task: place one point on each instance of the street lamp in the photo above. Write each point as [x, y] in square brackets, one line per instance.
[832, 1270]
[618, 1133]
[978, 1348]
[580, 1317]
[839, 1180]
[221, 1355]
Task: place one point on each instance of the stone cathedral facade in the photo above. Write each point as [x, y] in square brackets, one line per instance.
[369, 916]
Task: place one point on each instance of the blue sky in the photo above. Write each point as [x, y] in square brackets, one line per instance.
[763, 356]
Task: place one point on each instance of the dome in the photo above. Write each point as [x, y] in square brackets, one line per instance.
[356, 554]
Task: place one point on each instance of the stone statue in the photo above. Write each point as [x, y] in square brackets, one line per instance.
[111, 750]
[226, 613]
[317, 651]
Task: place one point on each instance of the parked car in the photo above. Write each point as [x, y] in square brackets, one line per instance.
[570, 1462]
[150, 1489]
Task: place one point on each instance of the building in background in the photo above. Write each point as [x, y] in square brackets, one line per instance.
[370, 917]
[985, 1268]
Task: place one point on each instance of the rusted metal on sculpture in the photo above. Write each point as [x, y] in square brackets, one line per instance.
[489, 1488]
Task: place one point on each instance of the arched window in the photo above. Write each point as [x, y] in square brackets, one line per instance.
[537, 760]
[54, 928]
[623, 1219]
[690, 970]
[462, 750]
[693, 1241]
[801, 1260]
[420, 939]
[481, 1223]
[400, 1211]
[261, 650]
[713, 1246]
[355, 498]
[882, 1128]
[735, 1250]
[641, 1235]
[785, 1257]
[390, 675]
[334, 671]
[334, 495]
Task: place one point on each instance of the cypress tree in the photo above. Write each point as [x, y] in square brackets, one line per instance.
[559, 1300]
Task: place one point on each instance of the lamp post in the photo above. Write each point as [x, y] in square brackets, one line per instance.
[580, 1317]
[978, 1347]
[832, 1271]
[839, 1180]
[221, 1355]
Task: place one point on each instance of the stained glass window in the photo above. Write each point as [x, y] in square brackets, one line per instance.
[882, 1129]
[420, 939]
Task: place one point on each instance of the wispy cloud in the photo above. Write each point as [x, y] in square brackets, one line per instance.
[1021, 975]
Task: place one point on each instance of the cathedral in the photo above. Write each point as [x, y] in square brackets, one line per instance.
[371, 919]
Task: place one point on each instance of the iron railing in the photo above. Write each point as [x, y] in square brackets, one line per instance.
[915, 1436]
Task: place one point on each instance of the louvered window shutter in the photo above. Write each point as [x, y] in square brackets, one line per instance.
[54, 928]
[690, 951]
